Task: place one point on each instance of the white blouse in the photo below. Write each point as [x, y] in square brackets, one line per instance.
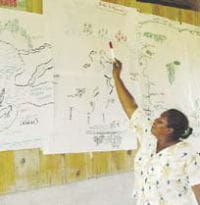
[166, 177]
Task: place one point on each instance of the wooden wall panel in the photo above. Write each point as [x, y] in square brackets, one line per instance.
[7, 171]
[34, 6]
[181, 15]
[24, 5]
[30, 169]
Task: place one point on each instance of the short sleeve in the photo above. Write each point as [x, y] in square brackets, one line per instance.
[140, 125]
[194, 169]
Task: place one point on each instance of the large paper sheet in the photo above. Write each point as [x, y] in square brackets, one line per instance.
[26, 81]
[169, 68]
[88, 116]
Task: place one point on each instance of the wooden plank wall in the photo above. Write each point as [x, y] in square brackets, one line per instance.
[180, 15]
[23, 5]
[30, 169]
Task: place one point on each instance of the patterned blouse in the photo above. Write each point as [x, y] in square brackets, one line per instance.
[166, 177]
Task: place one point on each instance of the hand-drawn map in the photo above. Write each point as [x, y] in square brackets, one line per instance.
[26, 81]
[88, 116]
[169, 68]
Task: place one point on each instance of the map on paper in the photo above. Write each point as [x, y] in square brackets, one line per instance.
[169, 68]
[88, 115]
[26, 81]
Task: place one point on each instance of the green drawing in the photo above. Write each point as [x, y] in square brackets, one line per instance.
[171, 69]
[21, 4]
[156, 37]
[171, 25]
[150, 53]
[14, 27]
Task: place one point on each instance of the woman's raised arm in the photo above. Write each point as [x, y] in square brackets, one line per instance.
[126, 99]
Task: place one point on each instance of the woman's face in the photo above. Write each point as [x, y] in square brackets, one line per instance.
[160, 127]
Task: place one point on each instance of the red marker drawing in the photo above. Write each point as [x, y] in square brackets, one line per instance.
[112, 51]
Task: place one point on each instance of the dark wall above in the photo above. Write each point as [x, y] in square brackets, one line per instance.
[184, 4]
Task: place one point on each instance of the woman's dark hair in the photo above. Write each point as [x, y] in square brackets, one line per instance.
[180, 124]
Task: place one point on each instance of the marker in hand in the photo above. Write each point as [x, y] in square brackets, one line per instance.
[112, 51]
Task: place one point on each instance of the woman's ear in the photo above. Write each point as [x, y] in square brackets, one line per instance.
[170, 131]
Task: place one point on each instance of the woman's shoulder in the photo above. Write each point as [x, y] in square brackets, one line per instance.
[186, 150]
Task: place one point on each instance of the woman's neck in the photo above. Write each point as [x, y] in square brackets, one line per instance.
[164, 143]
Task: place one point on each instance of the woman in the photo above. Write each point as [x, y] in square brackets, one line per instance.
[167, 170]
